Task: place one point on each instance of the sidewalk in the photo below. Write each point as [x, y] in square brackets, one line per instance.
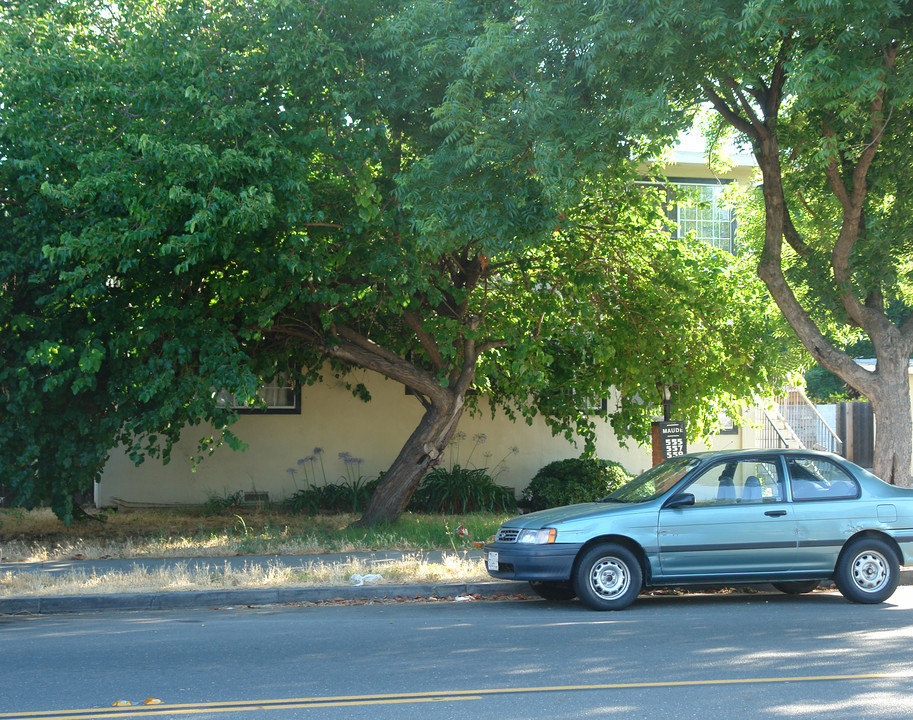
[247, 596]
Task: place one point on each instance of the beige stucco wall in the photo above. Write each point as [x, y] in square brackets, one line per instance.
[335, 421]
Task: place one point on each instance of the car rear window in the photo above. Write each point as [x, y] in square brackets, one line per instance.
[820, 479]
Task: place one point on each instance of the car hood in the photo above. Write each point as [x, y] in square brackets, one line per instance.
[570, 514]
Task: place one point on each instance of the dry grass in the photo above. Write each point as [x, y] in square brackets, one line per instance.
[37, 536]
[221, 576]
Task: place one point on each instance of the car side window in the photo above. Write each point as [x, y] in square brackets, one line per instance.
[812, 478]
[737, 483]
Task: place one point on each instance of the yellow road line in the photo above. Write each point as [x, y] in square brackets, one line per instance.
[414, 697]
[242, 706]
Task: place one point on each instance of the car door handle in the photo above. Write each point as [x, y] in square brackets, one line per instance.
[775, 513]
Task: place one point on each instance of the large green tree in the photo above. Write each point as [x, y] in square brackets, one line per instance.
[199, 195]
[822, 93]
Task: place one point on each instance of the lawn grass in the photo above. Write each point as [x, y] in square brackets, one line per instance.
[37, 536]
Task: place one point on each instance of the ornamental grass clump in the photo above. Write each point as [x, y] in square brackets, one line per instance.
[465, 488]
[350, 494]
[461, 490]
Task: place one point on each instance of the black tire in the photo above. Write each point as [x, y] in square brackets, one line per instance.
[867, 571]
[554, 591]
[796, 587]
[607, 577]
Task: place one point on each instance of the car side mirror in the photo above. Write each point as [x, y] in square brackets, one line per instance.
[680, 501]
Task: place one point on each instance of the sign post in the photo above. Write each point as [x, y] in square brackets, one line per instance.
[669, 440]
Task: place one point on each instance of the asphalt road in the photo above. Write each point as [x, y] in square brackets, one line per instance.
[763, 655]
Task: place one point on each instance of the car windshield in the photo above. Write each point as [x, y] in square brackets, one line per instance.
[656, 481]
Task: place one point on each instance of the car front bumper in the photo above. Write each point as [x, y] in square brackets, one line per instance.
[520, 561]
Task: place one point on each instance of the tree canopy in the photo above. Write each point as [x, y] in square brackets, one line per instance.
[822, 93]
[198, 195]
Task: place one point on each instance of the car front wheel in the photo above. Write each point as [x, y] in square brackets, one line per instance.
[607, 577]
[867, 571]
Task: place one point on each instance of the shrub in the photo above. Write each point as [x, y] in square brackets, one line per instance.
[228, 503]
[461, 490]
[348, 496]
[575, 480]
[358, 492]
[303, 502]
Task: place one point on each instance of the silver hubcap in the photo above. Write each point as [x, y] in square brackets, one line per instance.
[610, 578]
[870, 571]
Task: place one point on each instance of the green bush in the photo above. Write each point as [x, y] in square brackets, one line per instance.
[576, 480]
[229, 503]
[303, 502]
[461, 490]
[349, 496]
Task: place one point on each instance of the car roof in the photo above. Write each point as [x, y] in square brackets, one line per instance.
[761, 453]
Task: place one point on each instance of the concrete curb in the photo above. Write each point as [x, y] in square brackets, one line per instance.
[197, 600]
[49, 605]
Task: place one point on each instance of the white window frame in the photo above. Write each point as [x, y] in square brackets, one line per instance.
[280, 395]
[714, 224]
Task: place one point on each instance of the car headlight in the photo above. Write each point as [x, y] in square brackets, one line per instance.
[545, 536]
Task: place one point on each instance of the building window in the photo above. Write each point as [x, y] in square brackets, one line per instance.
[591, 405]
[700, 209]
[727, 425]
[278, 396]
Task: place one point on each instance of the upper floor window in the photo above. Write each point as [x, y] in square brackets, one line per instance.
[700, 209]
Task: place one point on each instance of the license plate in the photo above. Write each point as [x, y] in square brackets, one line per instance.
[492, 561]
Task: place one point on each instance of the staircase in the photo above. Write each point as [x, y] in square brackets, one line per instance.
[776, 432]
[794, 422]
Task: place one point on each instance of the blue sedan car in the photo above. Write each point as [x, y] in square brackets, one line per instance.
[788, 517]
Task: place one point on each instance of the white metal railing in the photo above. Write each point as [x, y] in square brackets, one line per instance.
[806, 422]
[770, 435]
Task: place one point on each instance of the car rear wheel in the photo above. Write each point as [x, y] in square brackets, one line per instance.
[607, 577]
[554, 591]
[796, 587]
[867, 571]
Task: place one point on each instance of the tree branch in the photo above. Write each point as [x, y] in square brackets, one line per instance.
[490, 345]
[906, 332]
[350, 346]
[322, 224]
[729, 114]
[426, 340]
[852, 202]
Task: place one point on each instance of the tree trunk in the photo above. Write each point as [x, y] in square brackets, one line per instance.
[421, 452]
[443, 402]
[753, 109]
[893, 422]
[888, 388]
